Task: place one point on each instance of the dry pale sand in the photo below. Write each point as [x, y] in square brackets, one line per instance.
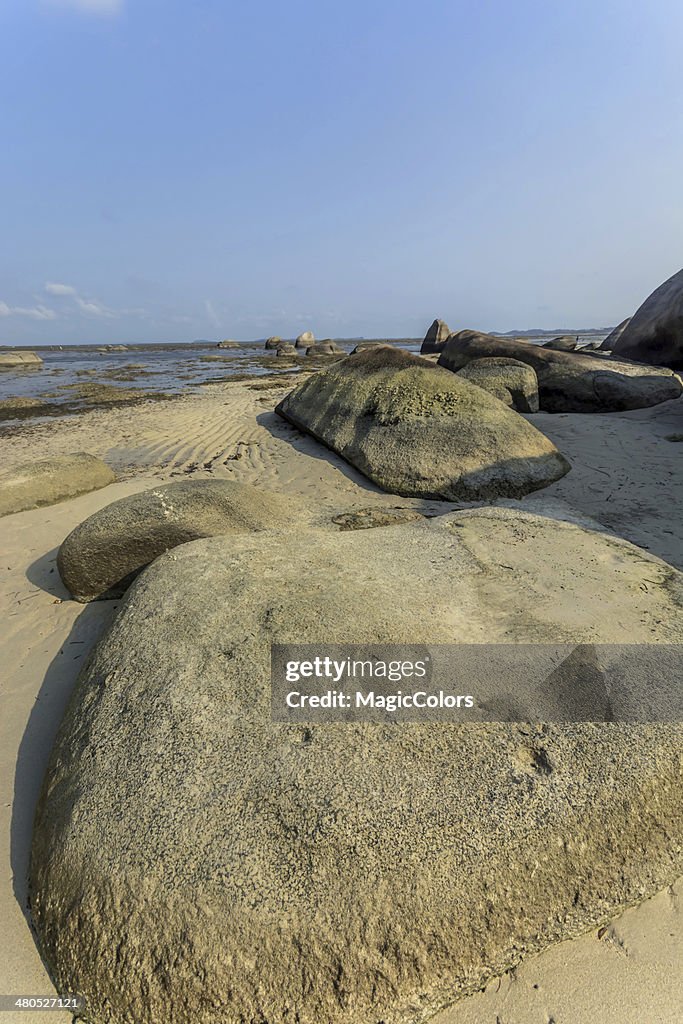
[626, 476]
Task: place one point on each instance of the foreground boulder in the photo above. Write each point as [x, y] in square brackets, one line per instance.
[612, 338]
[508, 380]
[570, 381]
[195, 861]
[414, 429]
[48, 481]
[565, 343]
[102, 556]
[305, 339]
[655, 331]
[436, 337]
[8, 360]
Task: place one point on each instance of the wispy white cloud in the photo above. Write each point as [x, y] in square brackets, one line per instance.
[31, 312]
[101, 7]
[52, 288]
[89, 307]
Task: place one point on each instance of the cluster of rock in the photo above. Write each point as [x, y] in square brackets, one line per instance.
[194, 859]
[18, 358]
[305, 342]
[112, 348]
[570, 381]
[227, 343]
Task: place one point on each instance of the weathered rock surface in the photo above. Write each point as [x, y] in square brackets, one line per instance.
[228, 344]
[414, 429]
[570, 381]
[614, 335]
[273, 342]
[51, 480]
[286, 349]
[189, 853]
[102, 556]
[325, 348]
[305, 339]
[508, 380]
[436, 337]
[9, 360]
[565, 343]
[655, 331]
[371, 518]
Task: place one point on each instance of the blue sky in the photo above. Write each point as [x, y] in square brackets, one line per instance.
[177, 170]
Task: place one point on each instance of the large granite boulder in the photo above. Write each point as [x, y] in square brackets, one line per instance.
[195, 861]
[102, 556]
[48, 481]
[11, 360]
[508, 380]
[436, 337]
[570, 381]
[227, 343]
[655, 331]
[612, 338]
[273, 342]
[305, 340]
[414, 429]
[565, 343]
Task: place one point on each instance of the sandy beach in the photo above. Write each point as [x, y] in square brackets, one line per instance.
[625, 478]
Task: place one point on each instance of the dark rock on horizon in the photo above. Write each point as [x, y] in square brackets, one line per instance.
[414, 429]
[436, 337]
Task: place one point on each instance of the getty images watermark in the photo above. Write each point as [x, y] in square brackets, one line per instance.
[477, 682]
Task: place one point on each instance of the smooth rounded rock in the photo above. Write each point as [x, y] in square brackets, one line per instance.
[655, 332]
[415, 429]
[193, 860]
[509, 380]
[102, 556]
[48, 481]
